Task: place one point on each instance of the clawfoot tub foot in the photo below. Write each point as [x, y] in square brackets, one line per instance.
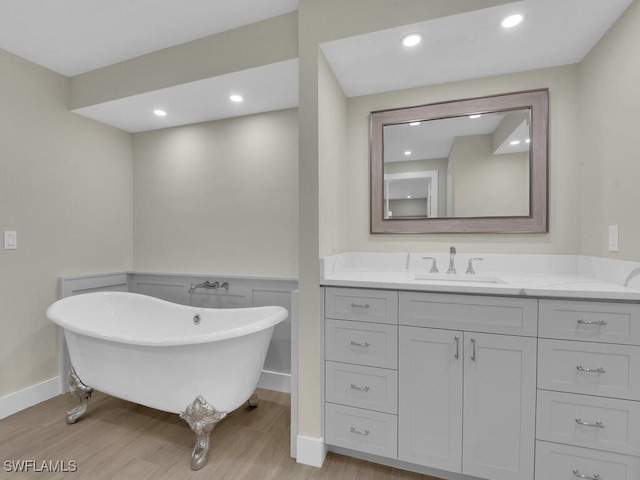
[82, 392]
[202, 418]
[254, 401]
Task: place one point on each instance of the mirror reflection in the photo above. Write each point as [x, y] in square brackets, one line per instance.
[466, 166]
[476, 165]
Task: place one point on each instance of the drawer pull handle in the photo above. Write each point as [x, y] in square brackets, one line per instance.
[577, 474]
[580, 368]
[362, 389]
[358, 432]
[591, 322]
[457, 355]
[359, 344]
[598, 424]
[358, 306]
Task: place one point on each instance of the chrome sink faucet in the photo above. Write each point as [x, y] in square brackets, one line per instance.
[452, 263]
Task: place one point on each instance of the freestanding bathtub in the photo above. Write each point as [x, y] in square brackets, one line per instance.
[198, 362]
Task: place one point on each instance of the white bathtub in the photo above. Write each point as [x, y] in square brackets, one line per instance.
[153, 353]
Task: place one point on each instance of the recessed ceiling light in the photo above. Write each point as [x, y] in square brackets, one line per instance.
[528, 140]
[160, 113]
[408, 152]
[236, 98]
[477, 115]
[414, 124]
[512, 20]
[411, 40]
[408, 196]
[515, 142]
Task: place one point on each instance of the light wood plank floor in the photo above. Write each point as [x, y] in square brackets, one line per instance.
[121, 440]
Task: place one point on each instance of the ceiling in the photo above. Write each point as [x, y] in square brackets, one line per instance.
[472, 45]
[76, 36]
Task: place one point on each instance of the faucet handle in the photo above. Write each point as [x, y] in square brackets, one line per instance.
[434, 266]
[470, 270]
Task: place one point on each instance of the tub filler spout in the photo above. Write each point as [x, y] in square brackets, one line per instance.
[207, 284]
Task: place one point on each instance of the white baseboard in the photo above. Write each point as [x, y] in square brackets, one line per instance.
[28, 397]
[280, 382]
[311, 451]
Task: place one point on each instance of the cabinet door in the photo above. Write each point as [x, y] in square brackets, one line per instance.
[499, 406]
[430, 397]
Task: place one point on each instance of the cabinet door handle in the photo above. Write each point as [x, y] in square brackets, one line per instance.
[359, 432]
[591, 322]
[359, 306]
[457, 355]
[362, 389]
[577, 474]
[359, 344]
[580, 368]
[598, 424]
[473, 349]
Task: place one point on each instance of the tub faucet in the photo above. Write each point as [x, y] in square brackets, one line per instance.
[207, 284]
[452, 264]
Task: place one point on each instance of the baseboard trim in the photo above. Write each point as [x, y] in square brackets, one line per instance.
[28, 397]
[280, 382]
[311, 451]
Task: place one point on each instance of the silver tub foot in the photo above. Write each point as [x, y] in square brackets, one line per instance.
[254, 401]
[82, 392]
[202, 418]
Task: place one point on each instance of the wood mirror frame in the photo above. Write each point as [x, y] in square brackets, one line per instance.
[537, 220]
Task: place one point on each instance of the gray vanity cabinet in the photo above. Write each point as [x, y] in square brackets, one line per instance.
[481, 386]
[467, 397]
[361, 370]
[588, 408]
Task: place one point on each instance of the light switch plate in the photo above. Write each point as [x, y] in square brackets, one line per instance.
[10, 240]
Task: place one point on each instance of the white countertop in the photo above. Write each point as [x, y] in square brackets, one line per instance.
[565, 276]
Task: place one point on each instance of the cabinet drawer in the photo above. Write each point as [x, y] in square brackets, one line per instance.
[613, 425]
[362, 387]
[555, 462]
[511, 316]
[590, 368]
[591, 321]
[372, 344]
[361, 430]
[380, 306]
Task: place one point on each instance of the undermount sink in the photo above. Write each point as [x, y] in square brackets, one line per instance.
[456, 277]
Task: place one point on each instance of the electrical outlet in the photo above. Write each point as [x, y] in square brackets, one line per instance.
[613, 238]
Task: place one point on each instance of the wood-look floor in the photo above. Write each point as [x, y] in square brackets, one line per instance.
[121, 440]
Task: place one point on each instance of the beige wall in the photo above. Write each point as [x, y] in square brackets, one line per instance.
[488, 185]
[608, 142]
[564, 162]
[66, 188]
[218, 197]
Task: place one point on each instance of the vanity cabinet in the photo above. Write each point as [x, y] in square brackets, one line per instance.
[490, 387]
[467, 397]
[361, 370]
[588, 408]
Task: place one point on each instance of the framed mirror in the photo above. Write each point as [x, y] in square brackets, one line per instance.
[476, 165]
